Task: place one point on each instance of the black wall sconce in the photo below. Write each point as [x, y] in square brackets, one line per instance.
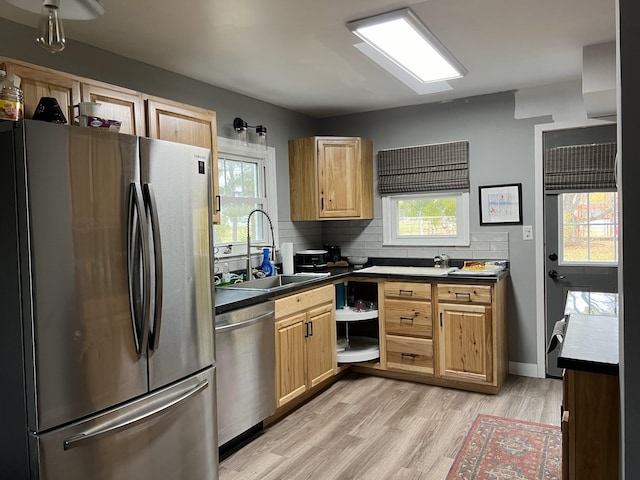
[240, 127]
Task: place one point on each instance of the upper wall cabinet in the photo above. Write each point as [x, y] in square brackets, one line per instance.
[140, 114]
[40, 82]
[186, 124]
[331, 178]
[118, 104]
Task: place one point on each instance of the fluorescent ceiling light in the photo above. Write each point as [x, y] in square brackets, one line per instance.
[421, 88]
[403, 38]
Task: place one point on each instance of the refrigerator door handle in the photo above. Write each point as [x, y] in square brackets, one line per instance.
[150, 201]
[111, 428]
[136, 244]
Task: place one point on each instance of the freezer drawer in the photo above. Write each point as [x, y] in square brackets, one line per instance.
[167, 435]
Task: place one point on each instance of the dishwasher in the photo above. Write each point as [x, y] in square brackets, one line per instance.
[245, 360]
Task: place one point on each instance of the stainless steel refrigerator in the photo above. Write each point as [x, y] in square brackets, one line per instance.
[107, 329]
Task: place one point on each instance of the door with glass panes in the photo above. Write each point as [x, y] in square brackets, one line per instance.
[581, 219]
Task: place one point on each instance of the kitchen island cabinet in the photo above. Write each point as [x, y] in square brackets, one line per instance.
[305, 342]
[591, 398]
[331, 178]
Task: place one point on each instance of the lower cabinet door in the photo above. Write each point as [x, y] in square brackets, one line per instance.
[290, 358]
[465, 342]
[321, 341]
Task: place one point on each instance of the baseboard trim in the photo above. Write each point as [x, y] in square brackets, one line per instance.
[523, 369]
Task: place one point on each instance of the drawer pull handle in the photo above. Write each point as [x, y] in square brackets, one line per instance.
[406, 319]
[405, 292]
[410, 355]
[463, 294]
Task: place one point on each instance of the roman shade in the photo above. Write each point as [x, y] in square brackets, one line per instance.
[580, 168]
[425, 168]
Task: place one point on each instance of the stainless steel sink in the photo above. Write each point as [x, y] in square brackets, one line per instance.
[270, 284]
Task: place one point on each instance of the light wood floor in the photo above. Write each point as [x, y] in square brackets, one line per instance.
[371, 428]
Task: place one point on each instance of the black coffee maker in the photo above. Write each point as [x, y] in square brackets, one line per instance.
[333, 252]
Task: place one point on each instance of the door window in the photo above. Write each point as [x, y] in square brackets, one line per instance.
[589, 225]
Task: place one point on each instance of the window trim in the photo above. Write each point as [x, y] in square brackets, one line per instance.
[236, 148]
[390, 221]
[579, 263]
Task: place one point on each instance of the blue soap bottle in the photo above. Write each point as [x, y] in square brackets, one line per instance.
[267, 266]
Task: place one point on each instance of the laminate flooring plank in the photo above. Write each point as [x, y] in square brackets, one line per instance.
[369, 428]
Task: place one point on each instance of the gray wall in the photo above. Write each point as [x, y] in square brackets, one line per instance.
[501, 150]
[18, 42]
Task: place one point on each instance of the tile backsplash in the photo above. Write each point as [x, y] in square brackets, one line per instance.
[364, 237]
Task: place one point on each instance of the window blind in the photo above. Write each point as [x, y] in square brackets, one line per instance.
[580, 168]
[425, 168]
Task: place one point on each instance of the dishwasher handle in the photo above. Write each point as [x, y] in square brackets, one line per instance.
[251, 321]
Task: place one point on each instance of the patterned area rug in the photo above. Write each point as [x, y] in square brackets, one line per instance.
[499, 448]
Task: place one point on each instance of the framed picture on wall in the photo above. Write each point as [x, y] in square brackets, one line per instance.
[501, 204]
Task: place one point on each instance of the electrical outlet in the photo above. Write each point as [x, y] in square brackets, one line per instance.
[527, 232]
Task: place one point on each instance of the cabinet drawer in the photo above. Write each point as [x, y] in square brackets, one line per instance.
[305, 300]
[464, 293]
[404, 317]
[410, 354]
[407, 290]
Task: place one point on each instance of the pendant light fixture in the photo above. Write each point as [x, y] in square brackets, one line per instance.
[50, 34]
[50, 31]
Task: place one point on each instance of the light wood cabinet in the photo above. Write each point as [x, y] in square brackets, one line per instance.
[465, 345]
[471, 332]
[331, 178]
[38, 82]
[119, 104]
[305, 342]
[408, 327]
[291, 358]
[182, 123]
[140, 114]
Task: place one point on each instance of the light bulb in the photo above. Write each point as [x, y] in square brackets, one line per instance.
[50, 31]
[261, 130]
[240, 126]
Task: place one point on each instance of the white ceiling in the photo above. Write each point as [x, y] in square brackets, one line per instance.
[298, 54]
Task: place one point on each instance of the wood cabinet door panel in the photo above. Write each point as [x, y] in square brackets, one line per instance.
[404, 317]
[37, 83]
[117, 104]
[339, 160]
[191, 125]
[321, 345]
[466, 342]
[290, 359]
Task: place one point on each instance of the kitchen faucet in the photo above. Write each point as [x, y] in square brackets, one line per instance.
[273, 246]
